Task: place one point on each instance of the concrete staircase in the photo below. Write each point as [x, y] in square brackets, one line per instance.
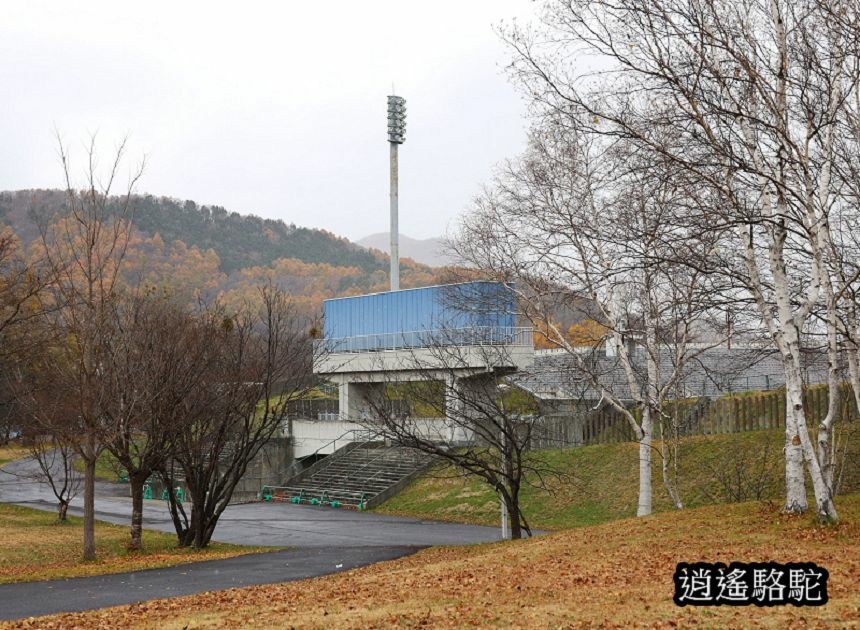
[358, 475]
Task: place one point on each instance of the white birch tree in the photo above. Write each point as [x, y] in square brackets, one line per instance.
[755, 90]
[582, 221]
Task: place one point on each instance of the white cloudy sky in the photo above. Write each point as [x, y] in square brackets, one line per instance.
[272, 108]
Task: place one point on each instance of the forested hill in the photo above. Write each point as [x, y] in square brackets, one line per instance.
[240, 241]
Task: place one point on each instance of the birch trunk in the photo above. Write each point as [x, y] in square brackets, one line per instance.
[645, 489]
[795, 479]
[799, 449]
[825, 461]
[851, 333]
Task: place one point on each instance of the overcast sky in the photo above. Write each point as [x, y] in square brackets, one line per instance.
[271, 108]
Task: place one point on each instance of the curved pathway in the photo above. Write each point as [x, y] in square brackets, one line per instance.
[323, 540]
[31, 599]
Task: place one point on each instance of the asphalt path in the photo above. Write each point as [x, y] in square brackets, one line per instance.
[30, 599]
[322, 540]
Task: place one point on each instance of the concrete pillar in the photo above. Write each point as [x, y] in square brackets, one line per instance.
[355, 400]
[454, 411]
[467, 400]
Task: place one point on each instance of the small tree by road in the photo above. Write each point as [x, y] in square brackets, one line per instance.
[253, 363]
[155, 357]
[481, 430]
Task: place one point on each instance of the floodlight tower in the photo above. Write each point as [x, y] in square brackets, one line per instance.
[396, 136]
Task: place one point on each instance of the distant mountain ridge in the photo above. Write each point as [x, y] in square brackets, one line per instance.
[427, 251]
[239, 240]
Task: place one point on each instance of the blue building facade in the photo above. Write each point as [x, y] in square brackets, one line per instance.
[455, 314]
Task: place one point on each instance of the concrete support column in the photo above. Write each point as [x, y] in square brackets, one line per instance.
[343, 399]
[467, 401]
[454, 411]
[356, 400]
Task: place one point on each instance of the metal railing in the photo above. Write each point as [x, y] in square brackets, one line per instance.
[355, 435]
[473, 336]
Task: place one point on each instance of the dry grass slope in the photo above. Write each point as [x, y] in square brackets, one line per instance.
[600, 482]
[617, 574]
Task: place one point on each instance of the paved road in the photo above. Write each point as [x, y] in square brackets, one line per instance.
[286, 525]
[31, 599]
[321, 538]
[276, 524]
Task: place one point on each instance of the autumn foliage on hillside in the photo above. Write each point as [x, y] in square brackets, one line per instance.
[201, 252]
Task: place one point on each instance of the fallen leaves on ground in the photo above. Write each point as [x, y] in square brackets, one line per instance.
[611, 576]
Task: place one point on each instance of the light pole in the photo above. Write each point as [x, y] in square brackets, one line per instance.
[396, 136]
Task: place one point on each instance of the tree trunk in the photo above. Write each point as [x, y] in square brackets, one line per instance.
[136, 482]
[514, 519]
[645, 489]
[199, 519]
[795, 480]
[209, 531]
[89, 506]
[62, 509]
[202, 533]
[799, 448]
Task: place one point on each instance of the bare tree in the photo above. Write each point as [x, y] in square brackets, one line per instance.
[56, 458]
[479, 429]
[43, 416]
[579, 221]
[84, 250]
[256, 361]
[756, 92]
[154, 359]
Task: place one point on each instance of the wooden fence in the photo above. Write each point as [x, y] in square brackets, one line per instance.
[750, 411]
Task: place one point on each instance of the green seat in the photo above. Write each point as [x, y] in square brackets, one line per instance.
[147, 491]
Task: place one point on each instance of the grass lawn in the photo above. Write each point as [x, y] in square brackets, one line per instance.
[11, 452]
[616, 574]
[601, 482]
[107, 468]
[36, 547]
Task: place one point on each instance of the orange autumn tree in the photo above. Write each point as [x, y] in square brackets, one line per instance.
[544, 335]
[585, 334]
[182, 271]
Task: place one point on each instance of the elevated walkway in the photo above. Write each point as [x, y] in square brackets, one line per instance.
[359, 475]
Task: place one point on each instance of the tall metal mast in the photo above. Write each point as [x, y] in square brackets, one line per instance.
[396, 136]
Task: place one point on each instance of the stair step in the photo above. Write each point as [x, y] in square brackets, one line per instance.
[365, 471]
